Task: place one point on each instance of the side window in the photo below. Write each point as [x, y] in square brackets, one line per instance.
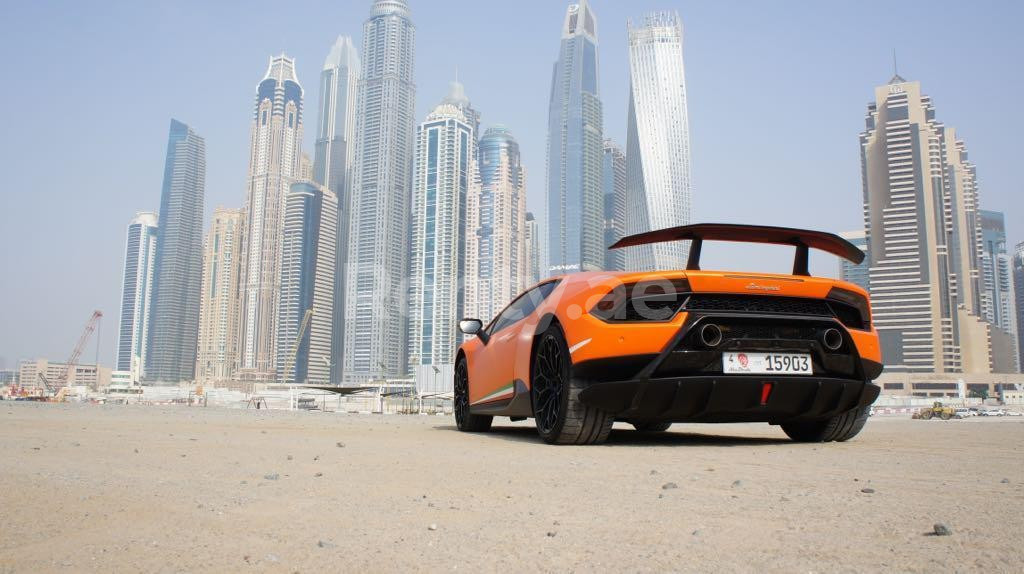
[522, 306]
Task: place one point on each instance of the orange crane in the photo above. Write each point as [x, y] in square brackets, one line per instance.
[62, 380]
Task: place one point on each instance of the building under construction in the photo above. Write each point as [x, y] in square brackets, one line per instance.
[41, 375]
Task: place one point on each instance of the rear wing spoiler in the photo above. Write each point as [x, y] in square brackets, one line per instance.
[802, 239]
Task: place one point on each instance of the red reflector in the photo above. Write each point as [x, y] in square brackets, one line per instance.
[766, 390]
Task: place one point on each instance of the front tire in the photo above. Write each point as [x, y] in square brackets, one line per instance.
[465, 420]
[839, 428]
[562, 418]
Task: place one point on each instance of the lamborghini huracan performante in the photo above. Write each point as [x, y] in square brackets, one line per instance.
[581, 351]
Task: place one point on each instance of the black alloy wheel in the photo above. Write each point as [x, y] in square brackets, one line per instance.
[561, 417]
[464, 419]
[549, 375]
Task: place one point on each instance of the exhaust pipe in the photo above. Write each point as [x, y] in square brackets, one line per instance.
[710, 335]
[832, 339]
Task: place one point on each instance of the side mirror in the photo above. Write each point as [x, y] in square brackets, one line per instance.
[473, 327]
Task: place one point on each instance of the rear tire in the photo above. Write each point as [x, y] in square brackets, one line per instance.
[839, 428]
[466, 421]
[560, 415]
[651, 426]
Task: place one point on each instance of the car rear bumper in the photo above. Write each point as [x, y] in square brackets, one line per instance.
[730, 398]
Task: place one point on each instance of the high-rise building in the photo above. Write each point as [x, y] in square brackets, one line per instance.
[614, 188]
[657, 141]
[178, 266]
[332, 166]
[498, 265]
[444, 174]
[136, 293]
[574, 200]
[375, 288]
[1018, 299]
[275, 159]
[531, 241]
[308, 244]
[923, 237]
[217, 357]
[996, 275]
[853, 272]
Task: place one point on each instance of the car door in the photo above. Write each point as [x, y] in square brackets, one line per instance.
[492, 374]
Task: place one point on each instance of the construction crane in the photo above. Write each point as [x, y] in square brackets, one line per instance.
[62, 380]
[295, 347]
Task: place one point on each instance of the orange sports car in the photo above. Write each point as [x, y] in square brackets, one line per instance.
[581, 351]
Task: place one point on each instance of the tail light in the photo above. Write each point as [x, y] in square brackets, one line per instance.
[851, 307]
[653, 300]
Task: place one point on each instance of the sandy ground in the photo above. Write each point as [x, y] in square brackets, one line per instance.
[166, 489]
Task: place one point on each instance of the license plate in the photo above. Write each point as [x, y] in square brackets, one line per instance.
[767, 363]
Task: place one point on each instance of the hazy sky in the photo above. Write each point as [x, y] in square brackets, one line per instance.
[777, 94]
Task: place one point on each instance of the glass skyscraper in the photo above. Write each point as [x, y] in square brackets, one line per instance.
[378, 245]
[856, 273]
[498, 266]
[574, 200]
[332, 165]
[657, 141]
[997, 279]
[614, 187]
[274, 164]
[444, 172]
[1017, 261]
[174, 317]
[308, 243]
[136, 293]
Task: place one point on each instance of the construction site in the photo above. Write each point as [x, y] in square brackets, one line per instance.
[45, 381]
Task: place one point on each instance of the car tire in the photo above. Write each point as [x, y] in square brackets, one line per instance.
[561, 417]
[651, 426]
[464, 419]
[839, 428]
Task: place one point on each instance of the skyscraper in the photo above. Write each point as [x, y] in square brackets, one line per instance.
[531, 240]
[1018, 299]
[856, 273]
[308, 244]
[178, 267]
[332, 166]
[614, 188]
[445, 172]
[498, 266]
[657, 141]
[274, 164]
[575, 206]
[997, 278]
[923, 236]
[217, 357]
[136, 293]
[375, 291]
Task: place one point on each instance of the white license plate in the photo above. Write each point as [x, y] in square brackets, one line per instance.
[767, 363]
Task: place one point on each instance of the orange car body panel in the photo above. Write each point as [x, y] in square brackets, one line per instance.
[506, 357]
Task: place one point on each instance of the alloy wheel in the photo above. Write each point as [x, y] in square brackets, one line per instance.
[549, 369]
[461, 393]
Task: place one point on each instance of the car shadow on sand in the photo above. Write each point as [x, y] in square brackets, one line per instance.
[629, 437]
